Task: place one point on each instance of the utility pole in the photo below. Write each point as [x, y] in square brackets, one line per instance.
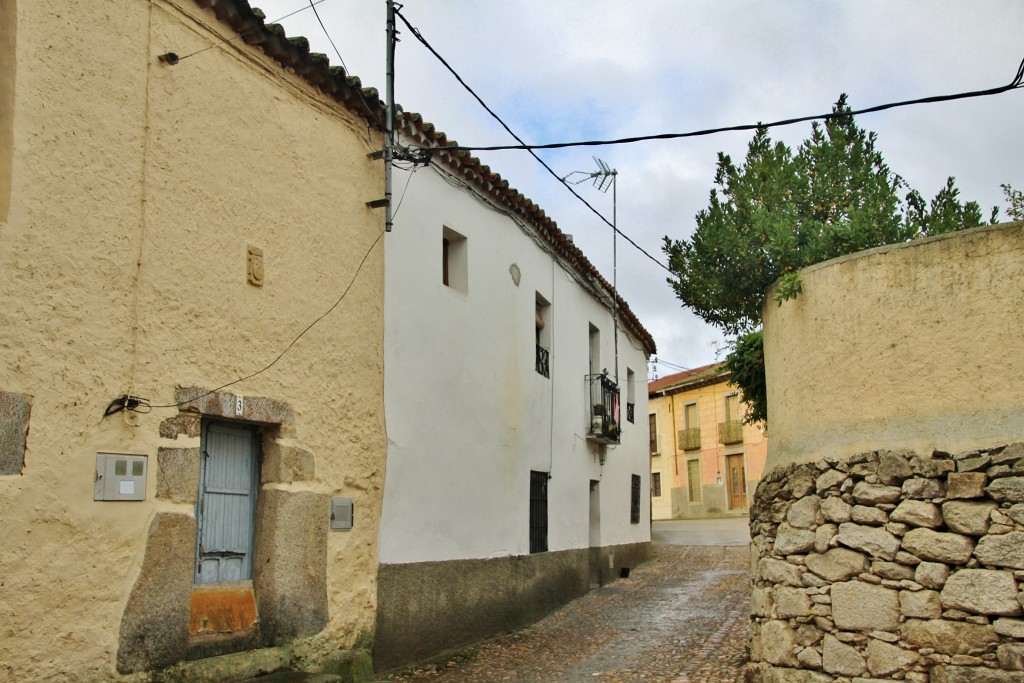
[389, 123]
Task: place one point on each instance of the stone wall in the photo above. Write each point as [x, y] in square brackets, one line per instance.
[888, 566]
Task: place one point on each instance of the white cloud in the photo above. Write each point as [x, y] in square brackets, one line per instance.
[576, 69]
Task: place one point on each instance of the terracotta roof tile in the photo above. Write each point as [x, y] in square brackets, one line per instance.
[315, 68]
[705, 374]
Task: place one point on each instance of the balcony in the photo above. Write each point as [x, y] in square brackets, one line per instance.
[543, 355]
[730, 431]
[689, 439]
[603, 408]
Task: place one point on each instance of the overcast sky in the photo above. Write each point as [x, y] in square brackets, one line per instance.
[566, 70]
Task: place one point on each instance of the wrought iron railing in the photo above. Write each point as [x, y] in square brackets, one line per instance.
[629, 412]
[689, 439]
[543, 357]
[730, 431]
[603, 403]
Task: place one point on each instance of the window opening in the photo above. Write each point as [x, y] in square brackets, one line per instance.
[652, 426]
[630, 395]
[538, 512]
[656, 484]
[689, 436]
[454, 260]
[634, 499]
[542, 325]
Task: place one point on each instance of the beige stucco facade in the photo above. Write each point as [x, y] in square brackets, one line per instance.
[135, 192]
[726, 456]
[914, 346]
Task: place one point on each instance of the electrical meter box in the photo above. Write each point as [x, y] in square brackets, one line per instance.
[120, 477]
[341, 514]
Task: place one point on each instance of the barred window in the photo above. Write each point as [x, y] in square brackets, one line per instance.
[634, 508]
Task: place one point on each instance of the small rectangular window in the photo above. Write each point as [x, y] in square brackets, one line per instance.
[538, 512]
[656, 484]
[542, 326]
[652, 426]
[693, 479]
[455, 260]
[630, 395]
[634, 500]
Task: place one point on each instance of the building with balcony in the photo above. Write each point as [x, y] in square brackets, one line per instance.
[517, 474]
[705, 461]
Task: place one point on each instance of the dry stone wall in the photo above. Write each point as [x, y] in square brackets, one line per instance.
[890, 566]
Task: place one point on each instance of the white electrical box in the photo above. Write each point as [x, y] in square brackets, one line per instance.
[120, 477]
[341, 514]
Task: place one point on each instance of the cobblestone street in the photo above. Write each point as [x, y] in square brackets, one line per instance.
[680, 617]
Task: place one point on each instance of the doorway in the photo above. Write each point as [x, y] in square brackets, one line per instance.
[226, 509]
[737, 481]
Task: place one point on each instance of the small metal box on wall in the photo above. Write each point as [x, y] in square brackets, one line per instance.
[341, 514]
[120, 477]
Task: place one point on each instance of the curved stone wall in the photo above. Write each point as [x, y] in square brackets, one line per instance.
[916, 345]
[887, 566]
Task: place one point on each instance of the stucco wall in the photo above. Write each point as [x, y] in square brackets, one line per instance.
[910, 346]
[118, 159]
[469, 416]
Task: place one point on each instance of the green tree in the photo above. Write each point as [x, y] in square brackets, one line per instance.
[779, 212]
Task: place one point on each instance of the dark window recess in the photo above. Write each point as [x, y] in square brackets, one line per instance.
[656, 484]
[538, 512]
[634, 499]
[629, 412]
[652, 425]
[543, 355]
[444, 256]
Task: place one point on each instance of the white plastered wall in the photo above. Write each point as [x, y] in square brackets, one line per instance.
[469, 417]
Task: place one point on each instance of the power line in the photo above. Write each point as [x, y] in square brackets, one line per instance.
[136, 404]
[312, 6]
[1012, 85]
[175, 58]
[523, 145]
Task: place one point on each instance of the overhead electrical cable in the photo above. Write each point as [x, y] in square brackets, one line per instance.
[1016, 83]
[312, 6]
[523, 145]
[242, 34]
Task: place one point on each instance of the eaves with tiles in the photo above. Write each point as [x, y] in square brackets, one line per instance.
[315, 68]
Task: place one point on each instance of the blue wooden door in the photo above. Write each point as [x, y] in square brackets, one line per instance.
[225, 512]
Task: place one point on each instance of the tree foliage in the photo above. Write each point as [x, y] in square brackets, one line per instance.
[780, 211]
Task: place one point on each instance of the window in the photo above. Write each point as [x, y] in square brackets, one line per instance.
[656, 484]
[693, 479]
[538, 512]
[731, 429]
[732, 407]
[454, 260]
[689, 435]
[634, 501]
[542, 323]
[652, 426]
[595, 350]
[630, 396]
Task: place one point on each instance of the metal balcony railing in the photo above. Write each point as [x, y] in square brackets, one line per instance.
[603, 404]
[730, 431]
[689, 439]
[543, 356]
